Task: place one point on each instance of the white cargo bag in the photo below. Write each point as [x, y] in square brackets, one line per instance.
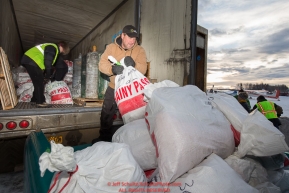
[148, 91]
[93, 169]
[243, 167]
[129, 95]
[231, 108]
[136, 135]
[259, 174]
[185, 128]
[57, 92]
[260, 138]
[69, 75]
[211, 175]
[25, 87]
[25, 92]
[253, 173]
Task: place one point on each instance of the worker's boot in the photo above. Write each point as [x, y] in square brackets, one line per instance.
[43, 105]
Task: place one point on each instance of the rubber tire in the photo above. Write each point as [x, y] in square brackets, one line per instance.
[12, 154]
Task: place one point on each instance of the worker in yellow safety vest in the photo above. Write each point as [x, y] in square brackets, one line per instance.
[268, 109]
[38, 62]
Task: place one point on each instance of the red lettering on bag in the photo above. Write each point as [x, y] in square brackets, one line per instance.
[136, 85]
[117, 98]
[143, 81]
[53, 92]
[141, 87]
[62, 90]
[120, 93]
[124, 92]
[147, 80]
[129, 89]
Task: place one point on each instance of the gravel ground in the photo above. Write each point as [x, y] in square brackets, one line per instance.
[12, 182]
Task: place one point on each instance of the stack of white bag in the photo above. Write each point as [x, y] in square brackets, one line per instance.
[185, 128]
[69, 75]
[25, 87]
[93, 169]
[136, 135]
[258, 135]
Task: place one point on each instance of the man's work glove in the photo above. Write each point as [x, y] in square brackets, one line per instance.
[45, 81]
[117, 69]
[128, 61]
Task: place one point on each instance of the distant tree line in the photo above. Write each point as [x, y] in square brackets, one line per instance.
[255, 86]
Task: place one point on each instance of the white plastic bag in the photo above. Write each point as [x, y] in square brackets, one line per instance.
[211, 175]
[185, 129]
[280, 178]
[148, 91]
[69, 75]
[253, 173]
[129, 87]
[94, 169]
[25, 87]
[58, 93]
[137, 136]
[231, 108]
[243, 167]
[260, 138]
[25, 92]
[23, 78]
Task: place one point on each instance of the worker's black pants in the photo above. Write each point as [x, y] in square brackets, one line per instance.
[276, 122]
[59, 74]
[106, 118]
[37, 77]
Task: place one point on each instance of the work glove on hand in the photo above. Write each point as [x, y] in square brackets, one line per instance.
[128, 61]
[117, 69]
[45, 81]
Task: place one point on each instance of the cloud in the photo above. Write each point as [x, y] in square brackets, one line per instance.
[277, 42]
[248, 40]
[217, 32]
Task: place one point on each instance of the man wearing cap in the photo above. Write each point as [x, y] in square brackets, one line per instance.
[242, 99]
[247, 100]
[125, 46]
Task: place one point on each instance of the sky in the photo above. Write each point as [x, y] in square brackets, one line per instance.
[248, 41]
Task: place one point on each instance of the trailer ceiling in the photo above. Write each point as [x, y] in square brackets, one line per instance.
[43, 21]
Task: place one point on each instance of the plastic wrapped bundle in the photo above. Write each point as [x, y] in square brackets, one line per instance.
[76, 81]
[92, 61]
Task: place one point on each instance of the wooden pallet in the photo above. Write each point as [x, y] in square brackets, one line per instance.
[8, 94]
[88, 102]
